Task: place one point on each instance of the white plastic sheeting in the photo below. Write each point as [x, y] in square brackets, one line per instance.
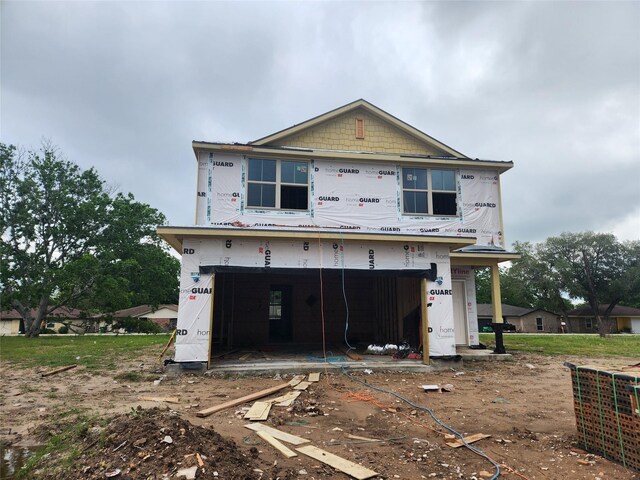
[349, 195]
[194, 314]
[467, 274]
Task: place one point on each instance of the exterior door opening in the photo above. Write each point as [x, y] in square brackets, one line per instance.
[460, 324]
[280, 327]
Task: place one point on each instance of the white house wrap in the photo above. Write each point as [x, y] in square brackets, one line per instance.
[329, 230]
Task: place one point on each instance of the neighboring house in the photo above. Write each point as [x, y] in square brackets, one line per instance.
[624, 319]
[345, 225]
[525, 320]
[166, 316]
[11, 322]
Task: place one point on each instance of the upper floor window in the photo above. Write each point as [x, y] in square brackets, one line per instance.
[278, 184]
[428, 191]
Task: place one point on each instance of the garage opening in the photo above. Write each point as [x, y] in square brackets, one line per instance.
[285, 310]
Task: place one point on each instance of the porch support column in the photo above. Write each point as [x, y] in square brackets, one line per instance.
[496, 301]
[424, 321]
[213, 297]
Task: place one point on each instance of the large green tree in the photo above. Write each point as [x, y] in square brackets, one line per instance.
[67, 240]
[596, 268]
[592, 267]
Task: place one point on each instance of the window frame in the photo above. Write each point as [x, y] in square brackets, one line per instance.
[278, 183]
[588, 323]
[540, 325]
[429, 191]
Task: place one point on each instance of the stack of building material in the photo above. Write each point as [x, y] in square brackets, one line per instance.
[607, 416]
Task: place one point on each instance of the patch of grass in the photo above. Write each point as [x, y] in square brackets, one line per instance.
[62, 446]
[130, 377]
[569, 344]
[92, 351]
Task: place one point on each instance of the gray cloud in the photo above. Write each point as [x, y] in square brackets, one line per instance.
[126, 86]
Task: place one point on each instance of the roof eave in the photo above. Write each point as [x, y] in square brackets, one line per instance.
[176, 235]
[244, 149]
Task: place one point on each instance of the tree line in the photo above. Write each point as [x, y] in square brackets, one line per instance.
[67, 239]
[573, 268]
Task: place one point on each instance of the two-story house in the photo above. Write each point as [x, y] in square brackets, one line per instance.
[351, 227]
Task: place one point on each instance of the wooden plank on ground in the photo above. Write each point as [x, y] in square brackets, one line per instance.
[224, 354]
[285, 400]
[239, 401]
[470, 439]
[245, 356]
[302, 386]
[353, 355]
[275, 433]
[258, 411]
[296, 380]
[275, 443]
[161, 399]
[291, 398]
[314, 377]
[339, 463]
[364, 439]
[58, 370]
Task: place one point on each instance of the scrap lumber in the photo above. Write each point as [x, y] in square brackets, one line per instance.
[245, 356]
[171, 339]
[275, 443]
[160, 399]
[239, 401]
[302, 386]
[314, 377]
[364, 439]
[258, 411]
[224, 354]
[339, 463]
[285, 400]
[58, 370]
[353, 355]
[470, 439]
[296, 380]
[275, 433]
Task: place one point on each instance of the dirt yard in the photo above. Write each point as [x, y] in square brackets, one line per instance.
[526, 406]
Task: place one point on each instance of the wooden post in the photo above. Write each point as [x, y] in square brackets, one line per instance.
[213, 297]
[496, 301]
[496, 295]
[424, 319]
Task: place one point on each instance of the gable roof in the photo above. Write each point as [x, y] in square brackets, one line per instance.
[60, 312]
[363, 105]
[618, 311]
[141, 310]
[486, 310]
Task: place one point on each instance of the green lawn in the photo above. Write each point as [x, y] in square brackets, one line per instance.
[548, 344]
[94, 352]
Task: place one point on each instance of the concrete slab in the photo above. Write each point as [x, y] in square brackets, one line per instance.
[303, 363]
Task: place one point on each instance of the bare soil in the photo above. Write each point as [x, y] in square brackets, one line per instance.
[526, 405]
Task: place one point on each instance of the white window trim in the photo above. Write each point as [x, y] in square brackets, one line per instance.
[278, 183]
[430, 191]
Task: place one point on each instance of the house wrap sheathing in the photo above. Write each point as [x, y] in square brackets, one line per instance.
[346, 225]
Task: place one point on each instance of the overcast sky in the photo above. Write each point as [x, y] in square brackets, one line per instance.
[126, 86]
